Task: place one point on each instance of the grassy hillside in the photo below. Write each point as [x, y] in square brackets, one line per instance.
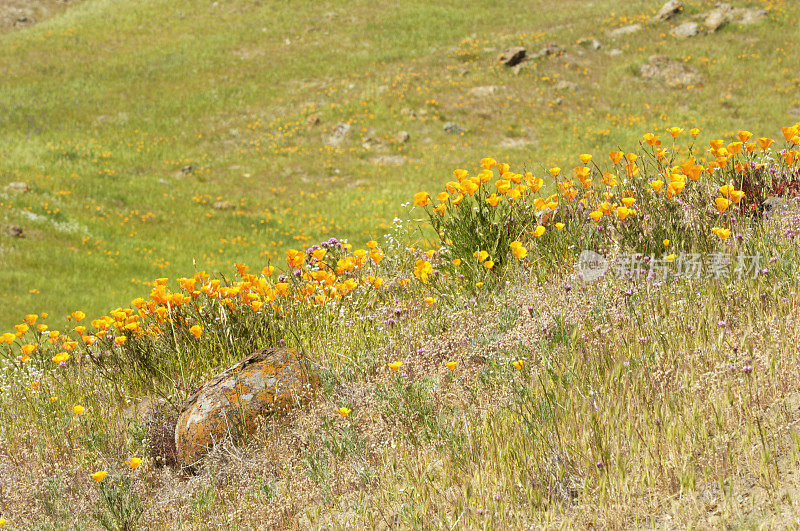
[172, 150]
[103, 106]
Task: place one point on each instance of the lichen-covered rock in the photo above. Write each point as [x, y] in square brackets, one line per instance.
[268, 381]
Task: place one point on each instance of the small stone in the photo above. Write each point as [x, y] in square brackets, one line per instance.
[596, 44]
[674, 74]
[750, 16]
[614, 52]
[17, 186]
[339, 133]
[188, 170]
[402, 137]
[686, 30]
[514, 143]
[15, 231]
[312, 120]
[520, 67]
[512, 56]
[550, 49]
[222, 205]
[625, 30]
[388, 160]
[566, 85]
[773, 206]
[483, 91]
[668, 10]
[341, 129]
[454, 128]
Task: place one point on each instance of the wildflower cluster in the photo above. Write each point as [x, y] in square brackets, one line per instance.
[662, 193]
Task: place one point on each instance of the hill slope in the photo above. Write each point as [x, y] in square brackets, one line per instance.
[130, 120]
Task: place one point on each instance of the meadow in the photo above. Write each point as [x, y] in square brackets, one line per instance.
[208, 178]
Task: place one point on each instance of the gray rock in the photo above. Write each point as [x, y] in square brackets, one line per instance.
[550, 49]
[402, 137]
[520, 68]
[188, 170]
[17, 186]
[514, 143]
[222, 205]
[668, 10]
[388, 160]
[483, 91]
[454, 128]
[750, 16]
[686, 30]
[674, 74]
[566, 85]
[625, 30]
[339, 133]
[594, 44]
[614, 52]
[512, 56]
[773, 206]
[341, 129]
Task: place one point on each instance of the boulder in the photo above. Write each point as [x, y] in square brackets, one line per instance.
[512, 56]
[267, 382]
[668, 10]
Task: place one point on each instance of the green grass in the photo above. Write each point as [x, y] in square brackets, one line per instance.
[138, 91]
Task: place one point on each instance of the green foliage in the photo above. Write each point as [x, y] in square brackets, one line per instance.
[119, 507]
